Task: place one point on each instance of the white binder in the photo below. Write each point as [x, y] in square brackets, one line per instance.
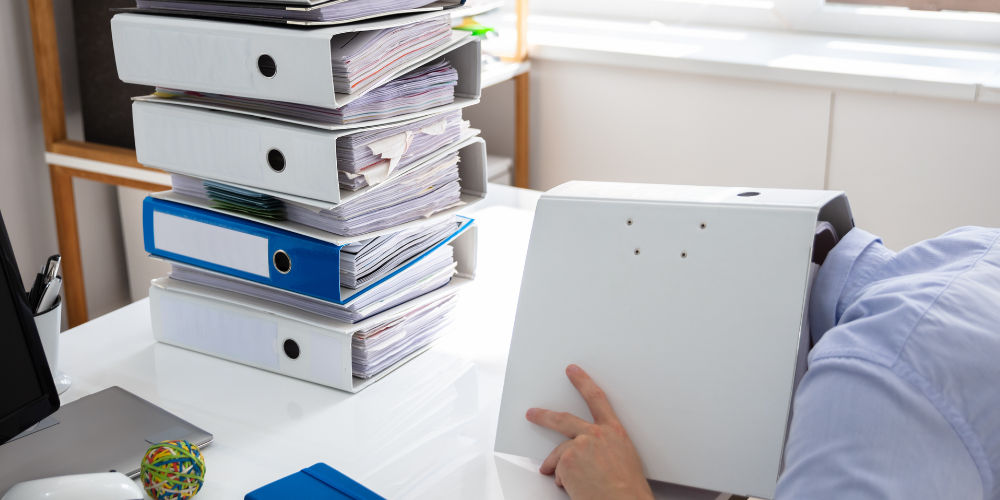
[222, 57]
[253, 332]
[310, 175]
[685, 304]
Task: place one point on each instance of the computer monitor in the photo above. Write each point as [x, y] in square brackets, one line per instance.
[27, 392]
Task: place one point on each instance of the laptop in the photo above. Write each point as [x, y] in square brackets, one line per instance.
[106, 431]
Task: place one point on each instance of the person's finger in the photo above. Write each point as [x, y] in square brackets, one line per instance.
[563, 423]
[549, 465]
[598, 403]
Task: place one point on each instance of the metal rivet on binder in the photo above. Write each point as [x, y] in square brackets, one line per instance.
[267, 66]
[684, 255]
[628, 222]
[291, 349]
[282, 262]
[276, 160]
[637, 251]
[703, 225]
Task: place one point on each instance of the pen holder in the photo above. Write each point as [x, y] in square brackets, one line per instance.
[49, 325]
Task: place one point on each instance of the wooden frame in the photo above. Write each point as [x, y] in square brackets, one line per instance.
[59, 149]
[522, 101]
[116, 166]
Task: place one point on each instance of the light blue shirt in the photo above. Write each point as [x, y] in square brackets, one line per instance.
[902, 396]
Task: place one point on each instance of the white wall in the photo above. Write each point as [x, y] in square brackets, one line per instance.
[25, 195]
[912, 167]
[630, 125]
[915, 168]
[25, 191]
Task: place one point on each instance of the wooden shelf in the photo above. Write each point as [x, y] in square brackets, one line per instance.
[496, 72]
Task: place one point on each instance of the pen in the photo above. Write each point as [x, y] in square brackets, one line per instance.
[52, 267]
[49, 296]
[36, 289]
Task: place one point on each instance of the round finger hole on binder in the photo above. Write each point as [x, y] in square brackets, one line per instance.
[267, 66]
[282, 262]
[291, 349]
[276, 160]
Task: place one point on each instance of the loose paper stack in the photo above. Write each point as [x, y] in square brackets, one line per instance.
[427, 87]
[419, 193]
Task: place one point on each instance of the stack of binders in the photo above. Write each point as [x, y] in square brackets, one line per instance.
[312, 228]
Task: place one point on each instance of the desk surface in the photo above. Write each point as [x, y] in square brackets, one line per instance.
[424, 431]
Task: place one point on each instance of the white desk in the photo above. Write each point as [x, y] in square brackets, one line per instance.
[425, 431]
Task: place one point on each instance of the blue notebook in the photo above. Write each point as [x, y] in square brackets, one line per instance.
[319, 482]
[253, 251]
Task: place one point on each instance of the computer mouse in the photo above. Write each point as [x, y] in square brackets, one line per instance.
[101, 486]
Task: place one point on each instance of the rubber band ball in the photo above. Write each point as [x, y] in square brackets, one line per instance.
[172, 470]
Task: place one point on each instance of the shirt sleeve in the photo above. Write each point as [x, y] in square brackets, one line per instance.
[861, 432]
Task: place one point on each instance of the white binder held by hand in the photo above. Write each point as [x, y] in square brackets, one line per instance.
[685, 304]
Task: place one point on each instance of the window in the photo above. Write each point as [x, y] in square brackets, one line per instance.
[935, 5]
[968, 21]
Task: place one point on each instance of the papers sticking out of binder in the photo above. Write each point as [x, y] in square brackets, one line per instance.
[377, 347]
[372, 259]
[434, 271]
[424, 88]
[422, 192]
[366, 158]
[361, 60]
[442, 183]
[306, 13]
[289, 161]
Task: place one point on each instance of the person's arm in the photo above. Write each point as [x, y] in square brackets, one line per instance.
[598, 461]
[862, 432]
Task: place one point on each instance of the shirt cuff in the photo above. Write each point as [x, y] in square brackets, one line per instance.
[832, 278]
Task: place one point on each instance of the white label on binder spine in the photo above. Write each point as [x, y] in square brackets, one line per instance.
[326, 359]
[209, 243]
[220, 332]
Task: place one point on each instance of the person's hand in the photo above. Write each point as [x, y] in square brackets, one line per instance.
[599, 460]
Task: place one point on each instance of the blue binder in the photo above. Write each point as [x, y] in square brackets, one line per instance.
[251, 250]
[319, 482]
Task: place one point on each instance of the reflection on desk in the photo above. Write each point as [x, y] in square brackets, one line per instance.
[425, 431]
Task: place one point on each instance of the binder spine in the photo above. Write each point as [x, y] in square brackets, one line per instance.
[224, 57]
[251, 337]
[238, 149]
[242, 248]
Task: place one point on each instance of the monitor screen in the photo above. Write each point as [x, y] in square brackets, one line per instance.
[27, 392]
